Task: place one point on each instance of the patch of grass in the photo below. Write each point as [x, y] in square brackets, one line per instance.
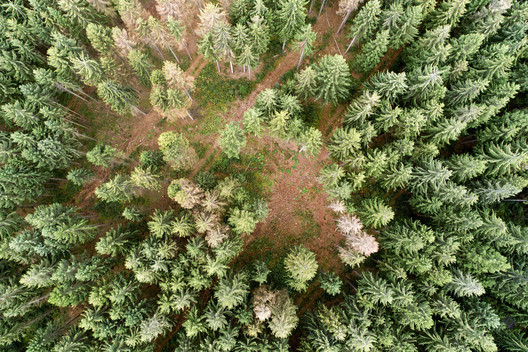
[310, 227]
[215, 91]
[185, 62]
[324, 40]
[222, 164]
[290, 74]
[200, 149]
[312, 114]
[211, 124]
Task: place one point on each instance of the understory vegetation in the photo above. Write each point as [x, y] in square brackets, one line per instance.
[258, 175]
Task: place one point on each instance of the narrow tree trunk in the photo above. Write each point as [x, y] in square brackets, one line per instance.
[515, 200]
[85, 136]
[249, 70]
[321, 9]
[173, 54]
[188, 114]
[75, 123]
[345, 19]
[302, 55]
[351, 43]
[251, 161]
[86, 95]
[187, 50]
[135, 108]
[61, 87]
[158, 50]
[311, 5]
[231, 65]
[218, 66]
[244, 68]
[283, 44]
[188, 94]
[64, 107]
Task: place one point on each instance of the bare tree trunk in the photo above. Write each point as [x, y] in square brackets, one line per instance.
[85, 136]
[283, 44]
[158, 50]
[188, 114]
[302, 55]
[173, 54]
[218, 66]
[323, 3]
[136, 109]
[249, 70]
[231, 65]
[188, 94]
[187, 50]
[351, 43]
[86, 95]
[61, 87]
[311, 5]
[345, 19]
[244, 68]
[70, 110]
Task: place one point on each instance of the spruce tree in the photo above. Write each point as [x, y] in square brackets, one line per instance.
[291, 15]
[305, 39]
[232, 140]
[120, 98]
[372, 52]
[365, 23]
[333, 79]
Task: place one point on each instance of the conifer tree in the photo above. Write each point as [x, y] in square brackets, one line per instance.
[221, 38]
[121, 99]
[140, 63]
[311, 141]
[259, 34]
[119, 189]
[144, 178]
[283, 316]
[333, 79]
[177, 151]
[177, 31]
[305, 39]
[402, 23]
[247, 58]
[346, 7]
[79, 176]
[372, 52]
[232, 140]
[252, 122]
[291, 15]
[100, 37]
[365, 23]
[306, 83]
[301, 266]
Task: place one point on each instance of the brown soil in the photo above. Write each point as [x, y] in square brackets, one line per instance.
[298, 208]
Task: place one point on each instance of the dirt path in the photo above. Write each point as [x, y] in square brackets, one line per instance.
[197, 66]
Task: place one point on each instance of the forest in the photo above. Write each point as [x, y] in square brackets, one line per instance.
[263, 175]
